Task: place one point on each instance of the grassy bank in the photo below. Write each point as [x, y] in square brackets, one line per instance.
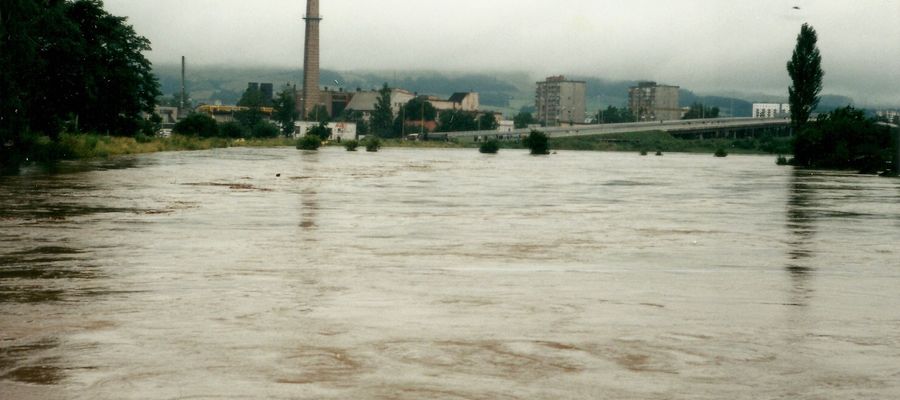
[87, 146]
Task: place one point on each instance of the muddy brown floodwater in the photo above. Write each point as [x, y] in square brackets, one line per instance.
[447, 274]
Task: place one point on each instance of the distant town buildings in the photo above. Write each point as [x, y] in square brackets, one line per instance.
[226, 113]
[339, 130]
[560, 100]
[888, 115]
[364, 101]
[649, 101]
[461, 101]
[266, 90]
[771, 110]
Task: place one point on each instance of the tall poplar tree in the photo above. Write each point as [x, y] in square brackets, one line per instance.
[383, 116]
[805, 69]
[286, 110]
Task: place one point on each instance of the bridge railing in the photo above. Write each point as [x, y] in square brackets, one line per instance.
[672, 125]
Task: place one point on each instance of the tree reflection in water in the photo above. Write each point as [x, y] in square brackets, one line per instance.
[801, 227]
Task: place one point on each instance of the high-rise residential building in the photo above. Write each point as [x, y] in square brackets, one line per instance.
[649, 101]
[310, 97]
[560, 101]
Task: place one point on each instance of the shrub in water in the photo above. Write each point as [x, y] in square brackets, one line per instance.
[782, 160]
[351, 145]
[309, 142]
[643, 152]
[721, 153]
[490, 147]
[538, 143]
[373, 144]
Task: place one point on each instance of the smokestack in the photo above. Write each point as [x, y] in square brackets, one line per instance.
[310, 96]
[183, 91]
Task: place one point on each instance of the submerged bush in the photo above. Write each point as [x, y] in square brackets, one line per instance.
[490, 147]
[537, 142]
[782, 160]
[373, 144]
[351, 145]
[309, 142]
[720, 152]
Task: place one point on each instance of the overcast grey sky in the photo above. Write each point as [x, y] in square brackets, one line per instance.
[711, 46]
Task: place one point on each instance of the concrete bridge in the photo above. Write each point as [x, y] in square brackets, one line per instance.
[687, 129]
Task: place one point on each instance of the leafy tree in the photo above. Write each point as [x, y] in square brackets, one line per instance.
[285, 112]
[537, 142]
[17, 59]
[456, 121]
[362, 127]
[233, 130]
[151, 125]
[805, 69]
[197, 124]
[383, 116]
[120, 83]
[523, 119]
[322, 131]
[614, 115]
[487, 122]
[252, 99]
[698, 111]
[69, 63]
[400, 127]
[419, 109]
[319, 113]
[249, 118]
[264, 130]
[843, 139]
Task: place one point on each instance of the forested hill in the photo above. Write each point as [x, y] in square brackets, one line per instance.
[507, 92]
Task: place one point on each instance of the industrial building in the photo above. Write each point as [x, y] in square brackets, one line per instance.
[266, 91]
[559, 100]
[649, 101]
[364, 101]
[340, 131]
[771, 110]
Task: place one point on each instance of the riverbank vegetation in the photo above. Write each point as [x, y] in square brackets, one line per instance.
[845, 139]
[46, 93]
[87, 146]
[841, 139]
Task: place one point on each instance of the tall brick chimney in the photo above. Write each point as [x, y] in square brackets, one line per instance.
[310, 97]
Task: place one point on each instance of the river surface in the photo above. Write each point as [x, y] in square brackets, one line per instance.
[447, 274]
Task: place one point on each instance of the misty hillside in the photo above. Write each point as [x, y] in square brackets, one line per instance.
[507, 92]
